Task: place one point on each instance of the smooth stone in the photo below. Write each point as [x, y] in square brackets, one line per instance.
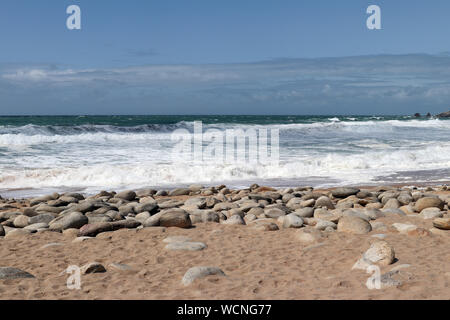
[353, 225]
[234, 220]
[324, 201]
[379, 253]
[8, 273]
[304, 212]
[180, 192]
[429, 202]
[35, 227]
[404, 228]
[429, 213]
[175, 218]
[292, 221]
[127, 195]
[442, 223]
[42, 218]
[344, 192]
[195, 273]
[274, 213]
[17, 233]
[21, 221]
[323, 224]
[71, 220]
[188, 246]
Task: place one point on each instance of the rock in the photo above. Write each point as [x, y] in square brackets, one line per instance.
[309, 235]
[99, 218]
[161, 193]
[21, 221]
[2, 231]
[292, 221]
[222, 206]
[234, 220]
[353, 225]
[404, 228]
[392, 204]
[42, 218]
[264, 225]
[126, 195]
[324, 201]
[92, 267]
[175, 218]
[439, 232]
[444, 115]
[83, 207]
[151, 207]
[442, 223]
[188, 246]
[323, 224]
[304, 212]
[81, 239]
[324, 214]
[197, 202]
[180, 192]
[71, 220]
[195, 273]
[391, 211]
[17, 233]
[429, 213]
[379, 253]
[344, 192]
[235, 212]
[92, 230]
[35, 227]
[379, 226]
[294, 204]
[429, 202]
[274, 213]
[142, 217]
[7, 273]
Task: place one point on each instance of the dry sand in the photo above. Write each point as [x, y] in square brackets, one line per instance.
[258, 264]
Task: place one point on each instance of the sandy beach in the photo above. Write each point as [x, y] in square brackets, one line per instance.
[268, 244]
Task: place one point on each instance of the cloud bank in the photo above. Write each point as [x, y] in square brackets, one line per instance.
[387, 84]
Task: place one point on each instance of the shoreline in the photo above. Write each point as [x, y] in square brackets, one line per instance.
[296, 243]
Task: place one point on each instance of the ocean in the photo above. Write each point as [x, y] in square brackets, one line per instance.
[42, 154]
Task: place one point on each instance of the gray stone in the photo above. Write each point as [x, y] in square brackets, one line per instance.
[234, 220]
[175, 218]
[195, 273]
[292, 221]
[42, 218]
[187, 246]
[344, 192]
[354, 225]
[180, 192]
[7, 273]
[304, 212]
[127, 195]
[71, 220]
[274, 213]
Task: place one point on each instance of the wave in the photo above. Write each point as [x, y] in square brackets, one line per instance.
[347, 168]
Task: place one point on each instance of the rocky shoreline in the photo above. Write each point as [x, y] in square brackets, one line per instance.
[314, 216]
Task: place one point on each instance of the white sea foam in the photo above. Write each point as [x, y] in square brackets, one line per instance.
[110, 157]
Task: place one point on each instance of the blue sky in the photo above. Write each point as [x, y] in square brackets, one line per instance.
[223, 56]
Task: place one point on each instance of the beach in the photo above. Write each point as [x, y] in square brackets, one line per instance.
[258, 243]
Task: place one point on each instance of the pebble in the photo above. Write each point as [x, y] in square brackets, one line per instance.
[195, 273]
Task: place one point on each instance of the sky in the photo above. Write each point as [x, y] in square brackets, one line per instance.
[224, 57]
